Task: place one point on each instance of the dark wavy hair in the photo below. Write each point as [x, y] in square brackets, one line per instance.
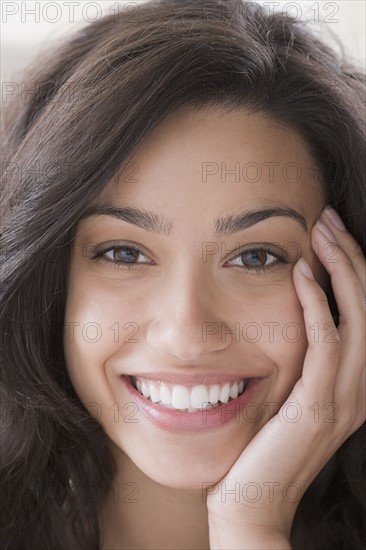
[95, 96]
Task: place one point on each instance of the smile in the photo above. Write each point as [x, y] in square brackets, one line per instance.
[189, 399]
[188, 407]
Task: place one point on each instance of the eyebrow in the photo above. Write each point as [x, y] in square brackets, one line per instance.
[226, 225]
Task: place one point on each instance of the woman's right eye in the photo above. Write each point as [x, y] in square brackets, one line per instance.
[121, 257]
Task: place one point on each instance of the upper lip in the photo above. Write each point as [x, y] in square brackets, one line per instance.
[194, 379]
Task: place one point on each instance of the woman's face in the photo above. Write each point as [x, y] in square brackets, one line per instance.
[190, 313]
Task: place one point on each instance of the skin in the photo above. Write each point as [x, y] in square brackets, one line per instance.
[171, 295]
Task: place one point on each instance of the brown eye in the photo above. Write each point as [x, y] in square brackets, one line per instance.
[125, 254]
[122, 256]
[258, 259]
[255, 258]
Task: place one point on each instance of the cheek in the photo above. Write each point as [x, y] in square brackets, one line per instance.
[278, 330]
[98, 324]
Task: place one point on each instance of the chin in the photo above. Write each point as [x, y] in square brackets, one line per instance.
[185, 479]
[188, 469]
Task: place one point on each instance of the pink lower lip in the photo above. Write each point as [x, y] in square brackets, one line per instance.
[176, 421]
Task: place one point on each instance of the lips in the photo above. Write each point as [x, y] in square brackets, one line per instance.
[210, 416]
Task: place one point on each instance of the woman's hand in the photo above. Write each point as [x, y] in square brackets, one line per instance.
[284, 457]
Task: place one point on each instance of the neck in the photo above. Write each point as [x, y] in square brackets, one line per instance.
[141, 513]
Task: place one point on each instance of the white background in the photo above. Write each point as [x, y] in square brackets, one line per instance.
[23, 34]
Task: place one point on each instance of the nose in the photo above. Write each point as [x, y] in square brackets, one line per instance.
[187, 324]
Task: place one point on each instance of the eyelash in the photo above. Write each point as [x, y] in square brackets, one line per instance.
[259, 270]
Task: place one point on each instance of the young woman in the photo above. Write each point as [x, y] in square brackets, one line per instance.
[182, 316]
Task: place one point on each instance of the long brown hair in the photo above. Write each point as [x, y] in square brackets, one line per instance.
[96, 96]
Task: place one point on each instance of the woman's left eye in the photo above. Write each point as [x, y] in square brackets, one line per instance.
[258, 259]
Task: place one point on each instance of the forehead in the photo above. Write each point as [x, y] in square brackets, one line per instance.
[215, 159]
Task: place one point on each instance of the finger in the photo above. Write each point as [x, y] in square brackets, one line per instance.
[350, 300]
[347, 243]
[346, 286]
[322, 356]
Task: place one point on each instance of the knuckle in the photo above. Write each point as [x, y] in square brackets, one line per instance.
[333, 346]
[345, 258]
[354, 249]
[348, 262]
[321, 298]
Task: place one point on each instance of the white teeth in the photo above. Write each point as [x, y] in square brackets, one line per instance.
[234, 391]
[225, 393]
[189, 399]
[199, 395]
[145, 389]
[154, 393]
[165, 395]
[214, 394]
[180, 397]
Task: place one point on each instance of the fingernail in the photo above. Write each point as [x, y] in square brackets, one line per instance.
[334, 218]
[305, 268]
[326, 231]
